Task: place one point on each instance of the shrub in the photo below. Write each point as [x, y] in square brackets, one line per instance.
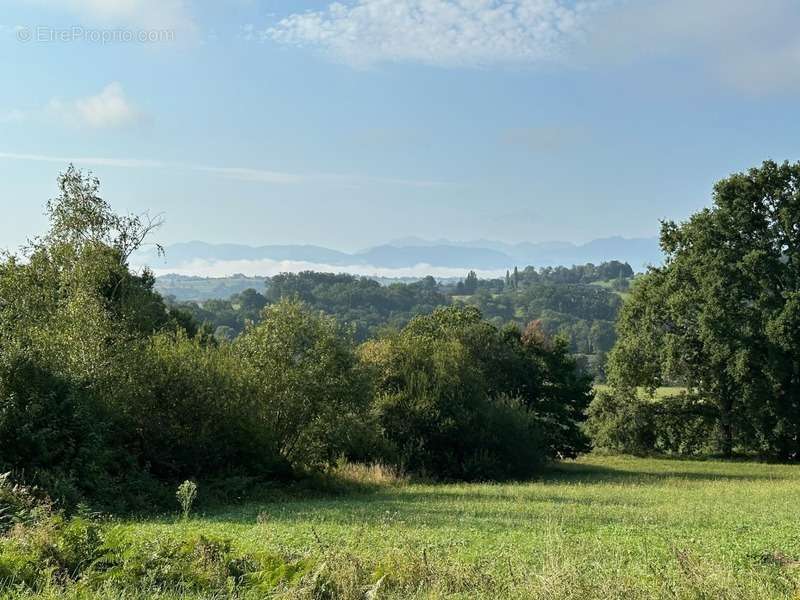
[19, 505]
[625, 422]
[460, 399]
[57, 554]
[51, 430]
[197, 413]
[310, 383]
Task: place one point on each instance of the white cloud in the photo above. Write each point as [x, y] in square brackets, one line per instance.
[254, 175]
[268, 268]
[750, 46]
[236, 173]
[108, 109]
[445, 33]
[148, 14]
[124, 163]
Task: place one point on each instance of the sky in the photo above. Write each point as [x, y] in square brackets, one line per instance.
[348, 124]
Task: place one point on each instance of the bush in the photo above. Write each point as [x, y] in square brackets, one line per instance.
[459, 399]
[52, 432]
[19, 505]
[57, 554]
[622, 421]
[311, 385]
[197, 413]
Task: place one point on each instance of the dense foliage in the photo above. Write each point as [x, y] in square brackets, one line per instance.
[460, 398]
[579, 303]
[722, 317]
[109, 394]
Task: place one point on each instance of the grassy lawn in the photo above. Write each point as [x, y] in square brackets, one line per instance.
[599, 527]
[662, 392]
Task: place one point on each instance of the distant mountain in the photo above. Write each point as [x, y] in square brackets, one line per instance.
[442, 258]
[639, 252]
[395, 257]
[187, 252]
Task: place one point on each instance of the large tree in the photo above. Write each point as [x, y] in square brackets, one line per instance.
[722, 315]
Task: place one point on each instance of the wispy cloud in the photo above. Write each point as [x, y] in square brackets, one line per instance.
[12, 116]
[110, 108]
[461, 33]
[237, 173]
[254, 175]
[124, 163]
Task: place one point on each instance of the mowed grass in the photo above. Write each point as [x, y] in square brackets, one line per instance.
[598, 527]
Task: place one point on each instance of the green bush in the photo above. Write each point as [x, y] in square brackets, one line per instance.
[623, 421]
[19, 505]
[51, 432]
[310, 383]
[458, 398]
[59, 554]
[197, 413]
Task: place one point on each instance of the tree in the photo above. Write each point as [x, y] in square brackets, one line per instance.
[470, 283]
[73, 320]
[79, 217]
[310, 380]
[721, 315]
[462, 399]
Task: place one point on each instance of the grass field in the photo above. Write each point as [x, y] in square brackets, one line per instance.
[662, 392]
[599, 527]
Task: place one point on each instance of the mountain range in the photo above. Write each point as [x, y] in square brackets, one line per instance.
[444, 257]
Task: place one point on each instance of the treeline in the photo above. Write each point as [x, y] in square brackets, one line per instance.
[567, 301]
[107, 394]
[720, 320]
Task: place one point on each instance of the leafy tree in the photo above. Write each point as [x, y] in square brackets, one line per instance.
[71, 317]
[197, 411]
[310, 380]
[448, 378]
[721, 315]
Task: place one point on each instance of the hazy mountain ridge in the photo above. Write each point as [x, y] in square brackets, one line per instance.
[485, 255]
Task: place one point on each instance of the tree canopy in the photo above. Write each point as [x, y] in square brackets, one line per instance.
[722, 316]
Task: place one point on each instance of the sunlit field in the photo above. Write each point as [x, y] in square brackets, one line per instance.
[662, 392]
[599, 527]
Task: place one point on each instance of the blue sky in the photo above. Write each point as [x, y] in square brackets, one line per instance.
[349, 124]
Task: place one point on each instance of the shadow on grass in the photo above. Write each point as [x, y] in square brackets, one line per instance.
[573, 472]
[437, 505]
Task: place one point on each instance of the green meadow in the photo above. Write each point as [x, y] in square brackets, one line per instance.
[598, 527]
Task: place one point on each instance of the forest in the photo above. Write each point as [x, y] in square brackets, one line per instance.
[578, 304]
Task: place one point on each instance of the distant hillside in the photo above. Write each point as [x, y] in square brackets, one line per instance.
[184, 288]
[188, 288]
